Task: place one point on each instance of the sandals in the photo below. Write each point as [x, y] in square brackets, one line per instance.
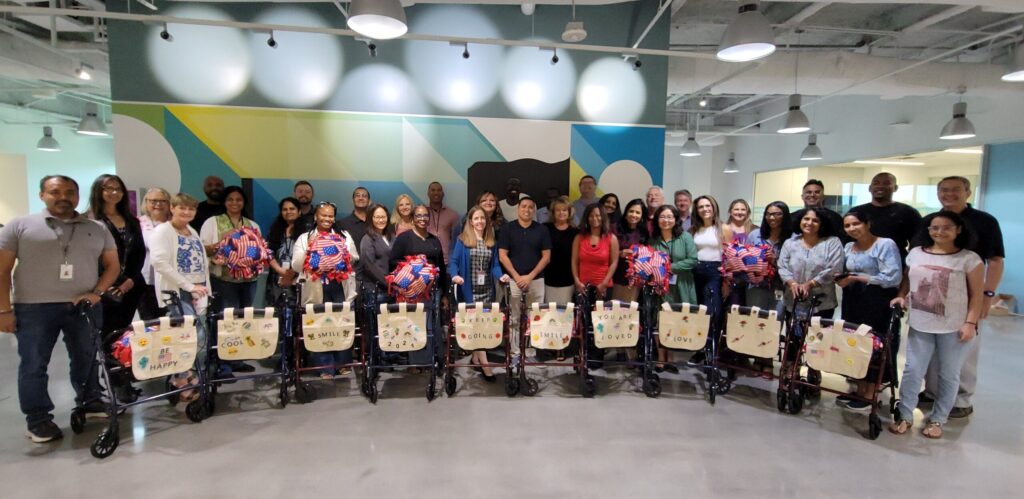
[900, 427]
[933, 430]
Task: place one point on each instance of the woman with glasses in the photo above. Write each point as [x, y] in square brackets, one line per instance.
[156, 209]
[944, 293]
[321, 286]
[682, 252]
[767, 295]
[375, 253]
[108, 204]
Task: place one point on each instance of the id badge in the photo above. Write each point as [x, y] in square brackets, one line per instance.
[67, 272]
[672, 280]
[480, 279]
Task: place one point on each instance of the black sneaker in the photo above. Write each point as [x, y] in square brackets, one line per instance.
[96, 409]
[241, 367]
[671, 368]
[961, 412]
[44, 432]
[858, 406]
[843, 399]
[924, 400]
[697, 359]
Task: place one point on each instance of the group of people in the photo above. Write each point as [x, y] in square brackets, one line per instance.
[945, 267]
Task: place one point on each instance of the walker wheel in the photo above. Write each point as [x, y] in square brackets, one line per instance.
[432, 388]
[531, 388]
[305, 392]
[780, 398]
[713, 377]
[796, 401]
[211, 404]
[283, 394]
[588, 387]
[893, 410]
[724, 385]
[652, 387]
[511, 387]
[874, 426]
[77, 420]
[450, 385]
[106, 443]
[373, 393]
[194, 411]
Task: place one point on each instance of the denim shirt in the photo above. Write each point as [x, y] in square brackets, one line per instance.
[880, 263]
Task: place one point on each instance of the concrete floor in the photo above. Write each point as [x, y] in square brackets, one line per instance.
[479, 442]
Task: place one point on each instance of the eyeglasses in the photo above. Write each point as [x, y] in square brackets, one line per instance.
[421, 215]
[157, 201]
[667, 217]
[941, 228]
[112, 190]
[773, 214]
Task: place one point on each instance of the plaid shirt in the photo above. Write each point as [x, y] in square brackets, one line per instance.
[480, 263]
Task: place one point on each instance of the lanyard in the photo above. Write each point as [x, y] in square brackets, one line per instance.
[64, 244]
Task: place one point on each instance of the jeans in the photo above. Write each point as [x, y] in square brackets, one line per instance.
[37, 327]
[233, 294]
[709, 292]
[968, 375]
[334, 293]
[949, 353]
[189, 308]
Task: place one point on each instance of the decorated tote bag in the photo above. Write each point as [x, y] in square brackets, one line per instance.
[752, 335]
[836, 350]
[247, 338]
[616, 326]
[162, 350]
[329, 331]
[478, 328]
[683, 330]
[551, 329]
[404, 330]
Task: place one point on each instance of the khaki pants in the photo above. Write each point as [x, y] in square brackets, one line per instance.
[534, 294]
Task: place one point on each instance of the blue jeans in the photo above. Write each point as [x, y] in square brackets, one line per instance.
[949, 352]
[708, 279]
[37, 327]
[233, 294]
[187, 308]
[334, 293]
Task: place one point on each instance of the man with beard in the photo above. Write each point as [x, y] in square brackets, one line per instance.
[889, 218]
[63, 259]
[303, 191]
[443, 220]
[355, 224]
[213, 187]
[813, 195]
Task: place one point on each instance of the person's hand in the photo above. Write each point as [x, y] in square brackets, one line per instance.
[899, 302]
[846, 281]
[602, 288]
[458, 280]
[219, 259]
[580, 286]
[504, 278]
[626, 253]
[286, 279]
[126, 286]
[199, 291]
[794, 288]
[90, 297]
[968, 331]
[523, 282]
[7, 323]
[805, 289]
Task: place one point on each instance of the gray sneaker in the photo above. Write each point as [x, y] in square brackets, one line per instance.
[961, 412]
[44, 432]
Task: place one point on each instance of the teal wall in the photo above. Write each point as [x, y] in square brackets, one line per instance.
[1004, 176]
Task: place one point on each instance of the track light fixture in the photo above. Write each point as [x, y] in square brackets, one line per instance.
[271, 42]
[465, 52]
[83, 72]
[166, 35]
[372, 47]
[554, 57]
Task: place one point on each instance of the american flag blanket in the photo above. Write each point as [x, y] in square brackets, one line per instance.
[245, 253]
[327, 257]
[412, 279]
[122, 349]
[754, 260]
[649, 266]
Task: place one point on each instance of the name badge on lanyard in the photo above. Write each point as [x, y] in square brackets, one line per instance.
[481, 279]
[67, 272]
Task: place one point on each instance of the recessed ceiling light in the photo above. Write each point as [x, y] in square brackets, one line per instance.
[978, 151]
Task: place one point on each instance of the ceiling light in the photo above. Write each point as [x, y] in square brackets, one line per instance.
[48, 143]
[377, 19]
[959, 127]
[703, 102]
[796, 120]
[1015, 69]
[91, 124]
[574, 31]
[83, 72]
[691, 148]
[896, 162]
[748, 38]
[731, 166]
[978, 151]
[812, 151]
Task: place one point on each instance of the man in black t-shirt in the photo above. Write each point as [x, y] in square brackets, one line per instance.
[813, 195]
[355, 223]
[953, 193]
[303, 191]
[889, 218]
[524, 249]
[213, 187]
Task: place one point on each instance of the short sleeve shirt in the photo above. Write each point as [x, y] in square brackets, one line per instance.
[938, 289]
[896, 221]
[38, 242]
[988, 237]
[524, 245]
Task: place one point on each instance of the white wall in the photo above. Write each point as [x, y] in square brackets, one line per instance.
[858, 127]
[81, 157]
[692, 173]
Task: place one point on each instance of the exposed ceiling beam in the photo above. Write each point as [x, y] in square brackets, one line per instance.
[744, 102]
[938, 18]
[804, 14]
[677, 5]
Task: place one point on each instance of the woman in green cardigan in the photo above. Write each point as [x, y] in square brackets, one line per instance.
[670, 237]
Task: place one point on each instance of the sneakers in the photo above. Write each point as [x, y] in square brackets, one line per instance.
[96, 410]
[961, 412]
[858, 406]
[697, 359]
[843, 399]
[44, 432]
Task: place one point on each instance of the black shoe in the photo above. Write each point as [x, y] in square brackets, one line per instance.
[490, 379]
[961, 412]
[96, 410]
[126, 393]
[594, 366]
[241, 367]
[924, 400]
[671, 368]
[696, 360]
[225, 376]
[44, 432]
[659, 369]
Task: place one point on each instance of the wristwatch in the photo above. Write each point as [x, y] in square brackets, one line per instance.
[990, 294]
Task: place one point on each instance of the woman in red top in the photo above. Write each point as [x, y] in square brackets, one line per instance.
[595, 252]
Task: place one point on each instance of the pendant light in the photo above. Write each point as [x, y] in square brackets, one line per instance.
[377, 19]
[574, 31]
[91, 124]
[1015, 70]
[691, 148]
[748, 38]
[731, 166]
[959, 127]
[48, 143]
[812, 151]
[796, 120]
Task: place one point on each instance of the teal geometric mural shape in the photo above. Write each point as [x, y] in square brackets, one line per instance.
[645, 145]
[457, 141]
[195, 159]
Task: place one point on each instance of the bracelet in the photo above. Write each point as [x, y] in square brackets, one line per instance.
[975, 324]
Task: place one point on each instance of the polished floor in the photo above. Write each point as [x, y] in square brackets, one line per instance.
[481, 443]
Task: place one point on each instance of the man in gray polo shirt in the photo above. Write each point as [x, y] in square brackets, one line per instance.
[60, 255]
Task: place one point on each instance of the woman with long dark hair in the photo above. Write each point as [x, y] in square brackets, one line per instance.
[281, 239]
[774, 231]
[108, 204]
[632, 230]
[610, 203]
